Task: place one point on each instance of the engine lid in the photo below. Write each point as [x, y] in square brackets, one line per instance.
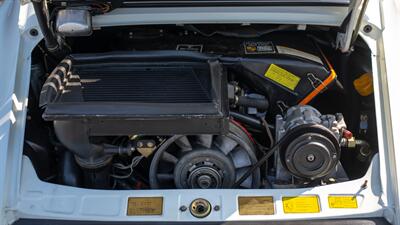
[345, 14]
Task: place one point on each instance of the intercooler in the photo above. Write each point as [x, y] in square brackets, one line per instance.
[149, 93]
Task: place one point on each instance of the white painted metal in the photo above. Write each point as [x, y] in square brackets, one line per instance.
[9, 48]
[15, 58]
[331, 16]
[39, 199]
[343, 39]
[390, 52]
[383, 17]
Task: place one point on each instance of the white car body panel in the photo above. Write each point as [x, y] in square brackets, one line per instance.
[23, 195]
[44, 200]
[331, 16]
[390, 35]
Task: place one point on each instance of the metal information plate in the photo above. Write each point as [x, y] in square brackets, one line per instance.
[256, 205]
[145, 206]
[342, 202]
[301, 204]
[258, 47]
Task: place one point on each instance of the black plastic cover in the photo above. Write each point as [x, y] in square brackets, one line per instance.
[138, 93]
[294, 73]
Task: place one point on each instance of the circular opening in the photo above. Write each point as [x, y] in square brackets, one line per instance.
[200, 208]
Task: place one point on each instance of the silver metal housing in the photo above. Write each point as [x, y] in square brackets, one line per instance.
[74, 22]
[299, 115]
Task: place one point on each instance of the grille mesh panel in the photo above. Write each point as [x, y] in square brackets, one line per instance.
[141, 84]
[152, 93]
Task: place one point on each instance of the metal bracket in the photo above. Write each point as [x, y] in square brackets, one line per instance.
[345, 40]
[314, 81]
[371, 30]
[24, 2]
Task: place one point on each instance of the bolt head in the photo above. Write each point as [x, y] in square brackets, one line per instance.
[367, 28]
[34, 32]
[183, 208]
[310, 158]
[150, 144]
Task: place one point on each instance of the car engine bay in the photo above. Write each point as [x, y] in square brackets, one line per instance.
[210, 106]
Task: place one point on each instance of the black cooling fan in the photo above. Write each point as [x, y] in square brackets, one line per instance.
[204, 161]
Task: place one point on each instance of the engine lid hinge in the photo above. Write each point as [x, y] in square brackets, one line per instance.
[23, 2]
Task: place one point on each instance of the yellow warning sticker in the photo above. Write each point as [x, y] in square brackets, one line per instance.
[342, 202]
[282, 77]
[256, 205]
[145, 206]
[301, 204]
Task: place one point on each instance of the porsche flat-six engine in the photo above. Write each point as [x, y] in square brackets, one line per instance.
[222, 106]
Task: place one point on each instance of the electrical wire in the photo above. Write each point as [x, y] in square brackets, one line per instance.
[254, 34]
[134, 162]
[269, 133]
[243, 129]
[103, 7]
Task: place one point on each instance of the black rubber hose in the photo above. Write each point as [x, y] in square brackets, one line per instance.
[71, 173]
[252, 102]
[248, 120]
[49, 38]
[120, 150]
[365, 149]
[74, 136]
